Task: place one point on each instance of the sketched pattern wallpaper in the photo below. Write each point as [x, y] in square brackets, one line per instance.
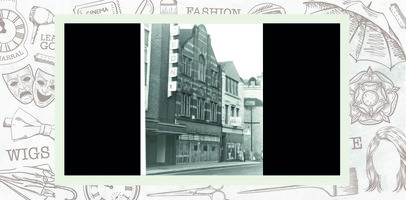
[377, 99]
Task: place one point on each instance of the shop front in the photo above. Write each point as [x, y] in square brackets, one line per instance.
[232, 144]
[195, 148]
[160, 142]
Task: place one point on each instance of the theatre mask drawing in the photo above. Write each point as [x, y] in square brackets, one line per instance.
[200, 111]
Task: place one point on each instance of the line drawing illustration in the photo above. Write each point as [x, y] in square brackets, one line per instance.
[398, 139]
[19, 83]
[42, 58]
[145, 7]
[43, 88]
[267, 8]
[111, 192]
[212, 192]
[371, 37]
[332, 191]
[397, 13]
[23, 125]
[40, 16]
[169, 7]
[13, 33]
[34, 183]
[98, 7]
[373, 97]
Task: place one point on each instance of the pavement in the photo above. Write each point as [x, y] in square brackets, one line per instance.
[157, 170]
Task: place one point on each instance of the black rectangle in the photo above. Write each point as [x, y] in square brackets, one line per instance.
[302, 99]
[102, 99]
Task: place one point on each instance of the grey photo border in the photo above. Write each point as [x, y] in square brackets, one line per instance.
[60, 178]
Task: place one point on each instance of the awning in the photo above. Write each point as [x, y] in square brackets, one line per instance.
[161, 128]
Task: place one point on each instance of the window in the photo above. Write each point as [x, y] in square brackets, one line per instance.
[215, 112]
[202, 109]
[195, 147]
[226, 114]
[185, 105]
[237, 112]
[205, 148]
[212, 111]
[186, 65]
[213, 148]
[232, 111]
[201, 69]
[231, 86]
[198, 109]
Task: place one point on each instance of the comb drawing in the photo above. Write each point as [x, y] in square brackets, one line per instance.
[169, 7]
[398, 139]
[209, 191]
[332, 191]
[42, 58]
[35, 183]
[373, 97]
[371, 37]
[23, 125]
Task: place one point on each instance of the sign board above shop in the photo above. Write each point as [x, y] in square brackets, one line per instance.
[235, 121]
[249, 103]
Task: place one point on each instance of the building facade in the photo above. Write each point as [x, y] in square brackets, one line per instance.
[183, 96]
[253, 116]
[232, 113]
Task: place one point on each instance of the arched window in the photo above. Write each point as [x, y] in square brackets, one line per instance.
[201, 68]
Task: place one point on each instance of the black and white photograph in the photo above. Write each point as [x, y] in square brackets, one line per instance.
[203, 99]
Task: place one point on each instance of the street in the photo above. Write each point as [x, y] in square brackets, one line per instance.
[254, 169]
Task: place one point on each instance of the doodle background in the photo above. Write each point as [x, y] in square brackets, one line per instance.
[8, 104]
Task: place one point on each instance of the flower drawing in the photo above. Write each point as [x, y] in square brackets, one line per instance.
[373, 97]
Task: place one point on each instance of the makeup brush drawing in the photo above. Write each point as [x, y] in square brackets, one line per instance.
[332, 191]
[373, 97]
[397, 13]
[145, 7]
[98, 7]
[43, 88]
[209, 191]
[23, 125]
[267, 8]
[398, 139]
[111, 192]
[42, 58]
[371, 37]
[19, 83]
[40, 16]
[35, 183]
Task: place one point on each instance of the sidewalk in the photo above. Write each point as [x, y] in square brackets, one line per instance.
[199, 166]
